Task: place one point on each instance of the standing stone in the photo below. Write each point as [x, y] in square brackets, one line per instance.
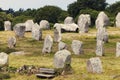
[28, 25]
[19, 29]
[62, 58]
[7, 26]
[94, 65]
[118, 49]
[68, 20]
[84, 23]
[36, 32]
[48, 42]
[44, 24]
[62, 46]
[102, 34]
[102, 20]
[99, 48]
[11, 42]
[3, 59]
[77, 47]
[57, 33]
[118, 20]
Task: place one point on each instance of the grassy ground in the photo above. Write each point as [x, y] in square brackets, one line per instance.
[111, 64]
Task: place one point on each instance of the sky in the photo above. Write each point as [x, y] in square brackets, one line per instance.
[25, 4]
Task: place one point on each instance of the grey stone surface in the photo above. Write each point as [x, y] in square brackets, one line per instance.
[102, 20]
[19, 29]
[18, 53]
[84, 22]
[7, 25]
[36, 32]
[11, 42]
[99, 48]
[118, 49]
[118, 20]
[62, 45]
[44, 24]
[57, 33]
[62, 58]
[77, 47]
[68, 20]
[48, 42]
[94, 65]
[28, 25]
[4, 58]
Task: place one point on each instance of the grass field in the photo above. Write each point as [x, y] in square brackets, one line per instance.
[33, 48]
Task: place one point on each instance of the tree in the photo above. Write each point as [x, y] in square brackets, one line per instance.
[50, 13]
[76, 7]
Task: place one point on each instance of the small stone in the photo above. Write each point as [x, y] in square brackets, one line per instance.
[7, 26]
[68, 20]
[118, 20]
[99, 48]
[28, 25]
[118, 49]
[44, 24]
[94, 65]
[11, 42]
[62, 46]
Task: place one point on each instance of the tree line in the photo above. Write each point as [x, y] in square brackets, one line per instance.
[55, 14]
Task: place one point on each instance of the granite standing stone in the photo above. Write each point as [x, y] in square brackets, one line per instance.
[94, 65]
[7, 26]
[62, 58]
[118, 20]
[118, 49]
[3, 59]
[62, 46]
[44, 24]
[19, 30]
[28, 25]
[99, 48]
[36, 32]
[11, 42]
[77, 47]
[68, 20]
[48, 42]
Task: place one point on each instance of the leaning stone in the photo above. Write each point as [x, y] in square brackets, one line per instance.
[99, 48]
[3, 59]
[36, 32]
[77, 47]
[28, 25]
[68, 20]
[62, 58]
[7, 26]
[11, 42]
[118, 20]
[44, 24]
[62, 46]
[57, 33]
[48, 42]
[118, 49]
[102, 20]
[18, 53]
[94, 65]
[19, 29]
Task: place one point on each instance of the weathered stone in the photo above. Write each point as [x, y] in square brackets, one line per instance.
[68, 20]
[77, 47]
[99, 48]
[84, 23]
[57, 33]
[118, 20]
[62, 45]
[36, 32]
[62, 58]
[44, 24]
[94, 65]
[18, 53]
[11, 42]
[118, 49]
[48, 42]
[3, 59]
[7, 26]
[28, 25]
[19, 29]
[102, 34]
[102, 20]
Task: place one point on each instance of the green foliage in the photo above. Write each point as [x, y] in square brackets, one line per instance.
[21, 19]
[50, 13]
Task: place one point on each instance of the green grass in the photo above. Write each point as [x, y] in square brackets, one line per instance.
[111, 64]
